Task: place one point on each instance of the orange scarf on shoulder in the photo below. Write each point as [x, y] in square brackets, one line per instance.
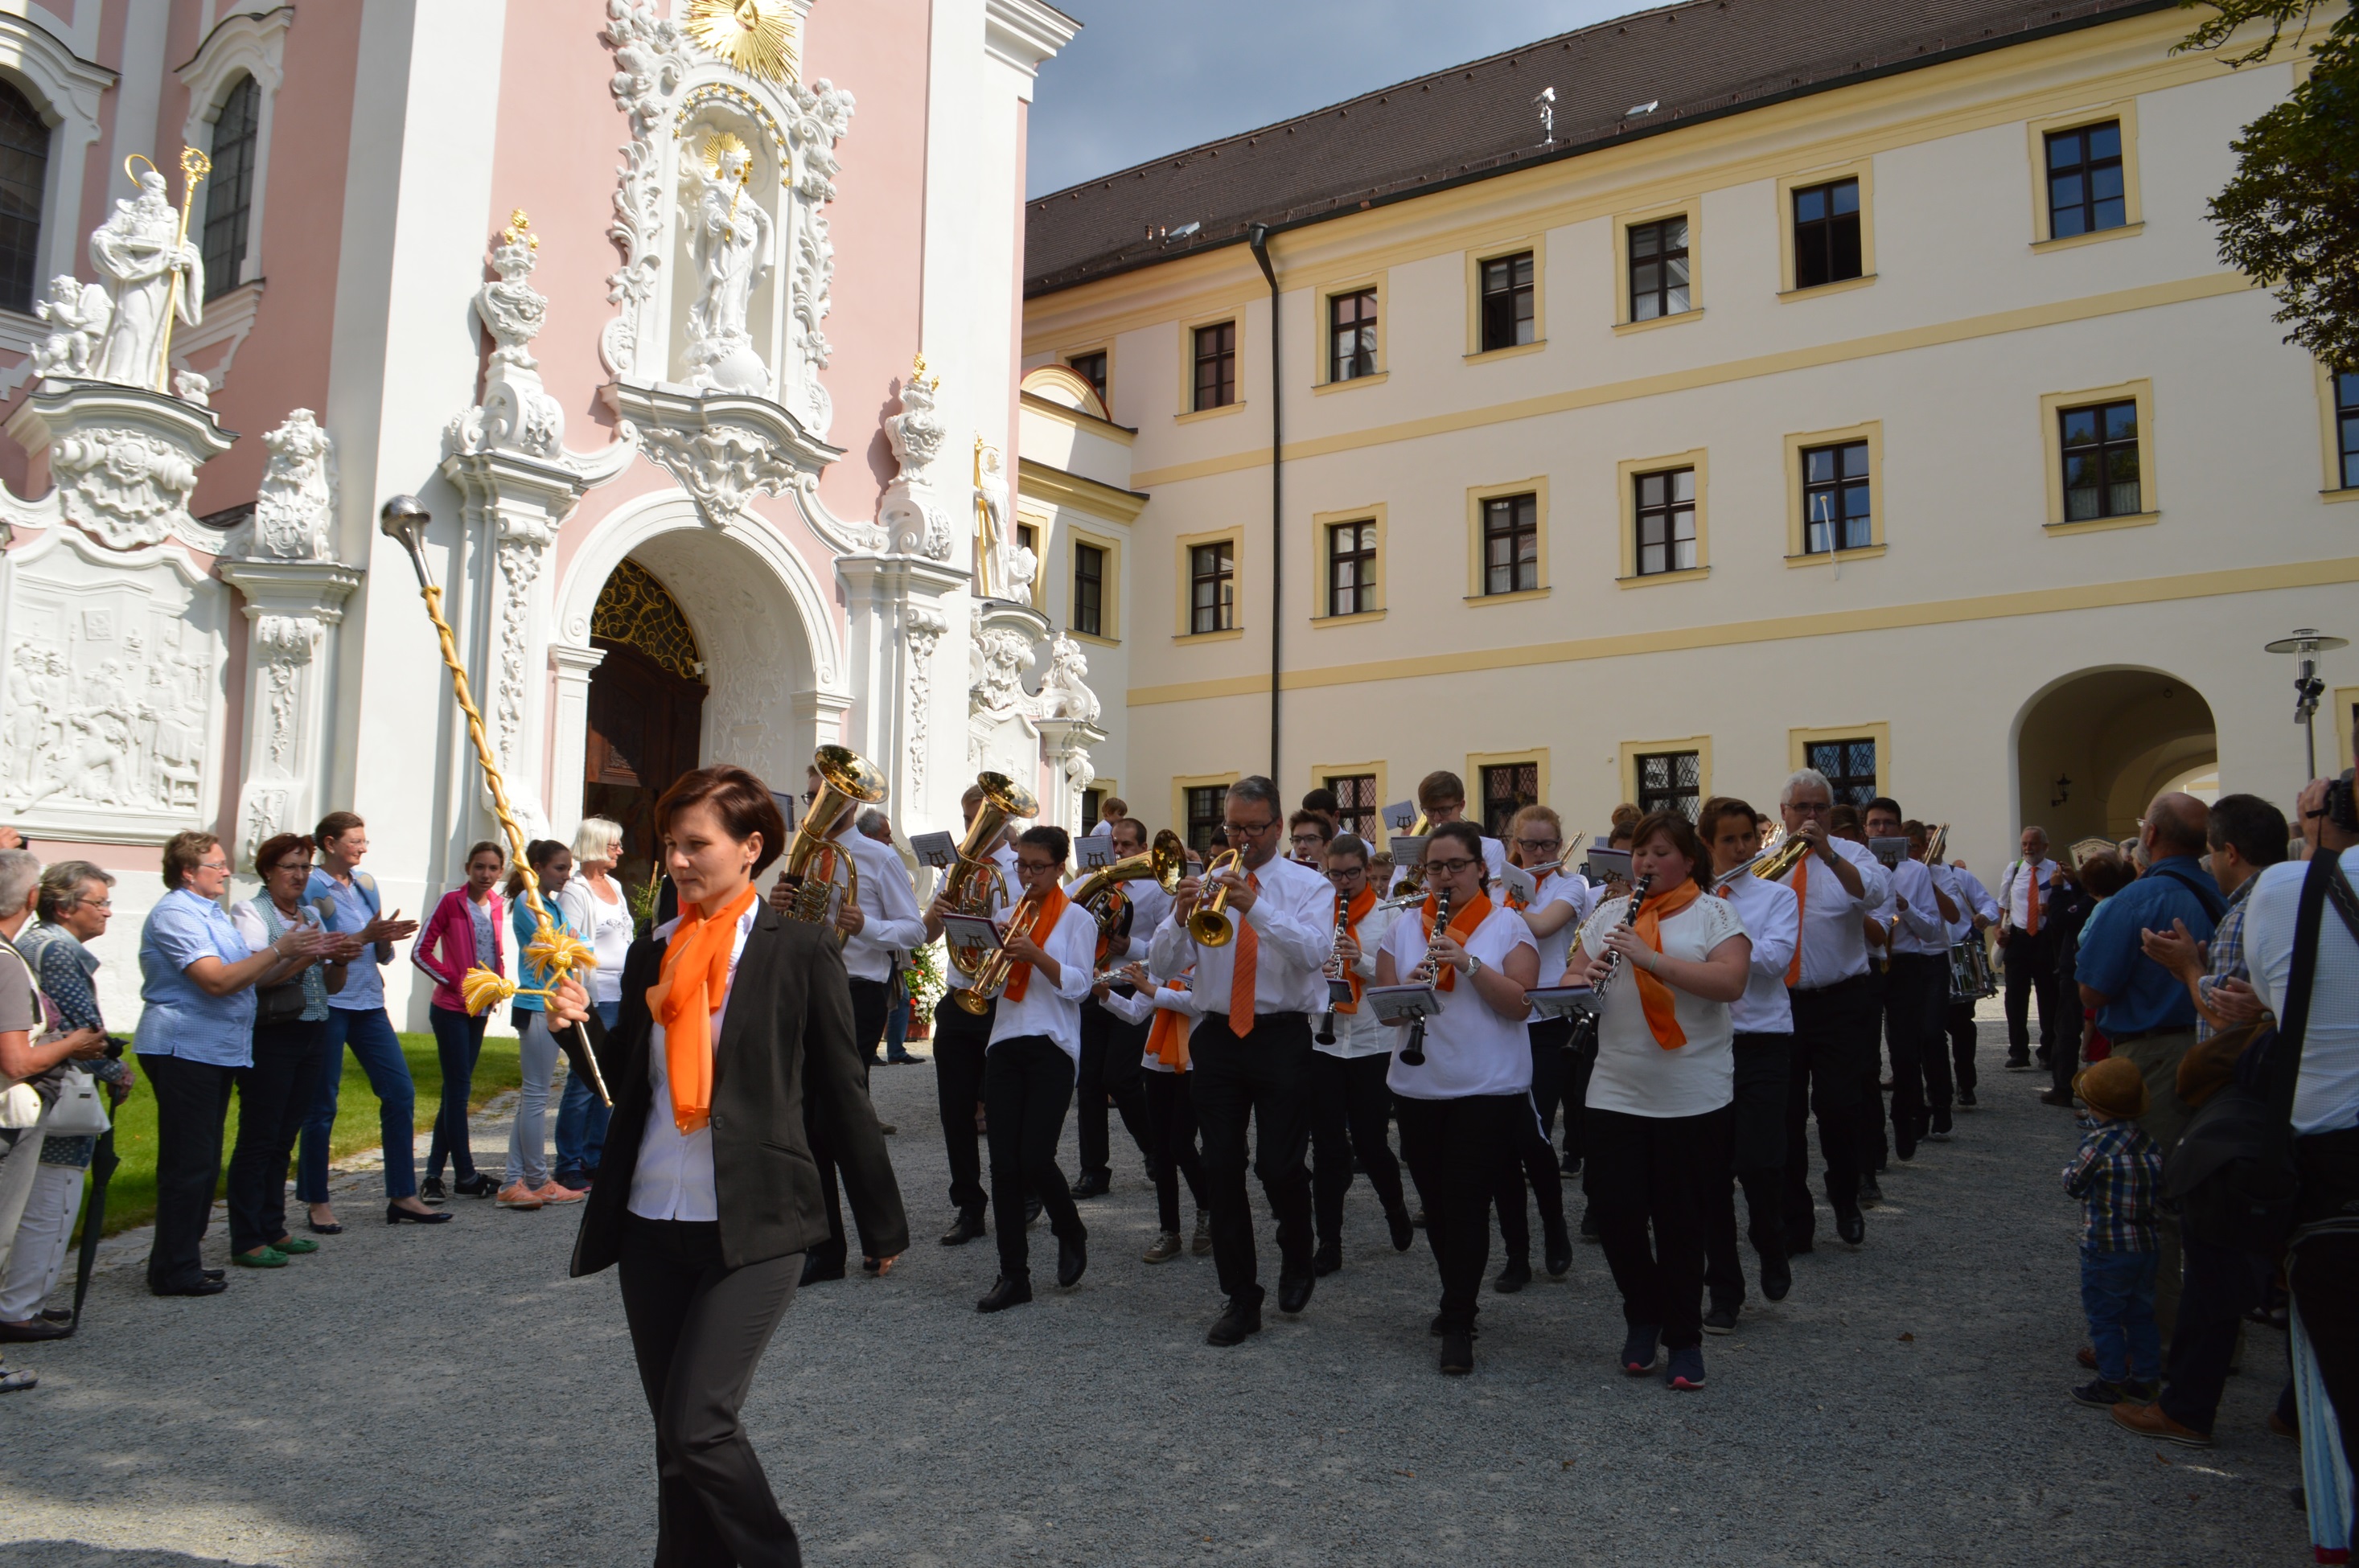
[1462, 921]
[1662, 1017]
[1166, 1038]
[1354, 912]
[691, 983]
[1052, 909]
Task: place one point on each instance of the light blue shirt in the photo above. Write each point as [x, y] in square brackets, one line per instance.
[526, 928]
[355, 907]
[181, 1019]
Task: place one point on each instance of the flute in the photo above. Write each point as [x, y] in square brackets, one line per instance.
[1339, 988]
[1412, 1054]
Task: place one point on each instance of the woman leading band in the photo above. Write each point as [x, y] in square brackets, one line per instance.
[1466, 1110]
[731, 1018]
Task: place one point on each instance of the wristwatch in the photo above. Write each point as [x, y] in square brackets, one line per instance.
[1474, 965]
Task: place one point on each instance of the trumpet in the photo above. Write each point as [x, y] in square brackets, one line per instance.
[1771, 864]
[1412, 1054]
[974, 883]
[1100, 892]
[1211, 924]
[990, 973]
[808, 877]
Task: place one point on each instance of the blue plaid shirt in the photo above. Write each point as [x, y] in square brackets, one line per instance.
[2227, 951]
[2115, 1176]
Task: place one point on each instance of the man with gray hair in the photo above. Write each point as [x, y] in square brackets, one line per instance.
[2028, 950]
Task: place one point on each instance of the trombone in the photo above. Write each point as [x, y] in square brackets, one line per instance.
[974, 881]
[815, 868]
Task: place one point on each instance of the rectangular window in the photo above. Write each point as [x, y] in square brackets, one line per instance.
[1091, 367]
[2086, 193]
[1089, 588]
[1658, 268]
[1206, 805]
[1507, 301]
[1091, 800]
[229, 193]
[1511, 544]
[1352, 335]
[1835, 514]
[1507, 788]
[1216, 365]
[1826, 233]
[1351, 568]
[2101, 460]
[1669, 781]
[1355, 799]
[2346, 427]
[1849, 765]
[1667, 522]
[1212, 587]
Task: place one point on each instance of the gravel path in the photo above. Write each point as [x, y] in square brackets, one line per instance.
[448, 1396]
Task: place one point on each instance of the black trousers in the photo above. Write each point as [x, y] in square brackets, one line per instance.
[1262, 1076]
[959, 1040]
[1535, 1167]
[1960, 1019]
[1171, 1145]
[1757, 1156]
[273, 1096]
[869, 1006]
[2030, 966]
[1663, 1173]
[1457, 1150]
[191, 1103]
[1575, 1101]
[1349, 1107]
[2220, 1285]
[698, 1331]
[1914, 989]
[1833, 1056]
[2064, 1053]
[1027, 1082]
[1109, 1069]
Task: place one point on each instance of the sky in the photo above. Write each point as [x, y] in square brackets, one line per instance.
[1148, 77]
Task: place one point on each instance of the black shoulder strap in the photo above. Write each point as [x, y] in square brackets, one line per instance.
[2285, 1056]
[2208, 897]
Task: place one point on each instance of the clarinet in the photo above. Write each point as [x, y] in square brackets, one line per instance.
[1584, 1043]
[1339, 989]
[1412, 1054]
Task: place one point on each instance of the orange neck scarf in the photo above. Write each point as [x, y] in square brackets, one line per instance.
[689, 986]
[1354, 912]
[1662, 1019]
[1166, 1038]
[1052, 909]
[1802, 886]
[1462, 921]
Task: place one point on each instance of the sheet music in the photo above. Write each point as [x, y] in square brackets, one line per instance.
[1095, 852]
[938, 851]
[1400, 816]
[1402, 1001]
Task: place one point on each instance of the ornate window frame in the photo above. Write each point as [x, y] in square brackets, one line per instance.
[65, 89]
[242, 44]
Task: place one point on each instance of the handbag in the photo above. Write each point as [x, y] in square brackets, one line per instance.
[20, 1103]
[81, 1111]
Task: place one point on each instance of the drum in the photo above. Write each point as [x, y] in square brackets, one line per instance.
[1965, 982]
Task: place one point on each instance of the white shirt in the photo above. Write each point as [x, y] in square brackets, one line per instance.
[1949, 880]
[1359, 1034]
[1495, 863]
[1554, 949]
[1834, 946]
[1163, 999]
[1636, 1075]
[889, 900]
[673, 1179]
[1772, 918]
[605, 926]
[1055, 1010]
[2326, 1096]
[2016, 892]
[1921, 931]
[1469, 1048]
[1978, 896]
[1294, 916]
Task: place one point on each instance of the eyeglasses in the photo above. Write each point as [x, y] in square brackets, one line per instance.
[302, 865]
[1450, 868]
[1810, 807]
[1036, 867]
[1256, 828]
[213, 865]
[97, 903]
[1537, 844]
[1346, 873]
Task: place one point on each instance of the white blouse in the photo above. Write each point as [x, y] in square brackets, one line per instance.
[673, 1179]
[1055, 1010]
[1469, 1048]
[1636, 1075]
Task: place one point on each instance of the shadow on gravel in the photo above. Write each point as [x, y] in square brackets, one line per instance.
[78, 1555]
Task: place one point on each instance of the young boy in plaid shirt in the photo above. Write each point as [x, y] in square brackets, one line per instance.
[2116, 1176]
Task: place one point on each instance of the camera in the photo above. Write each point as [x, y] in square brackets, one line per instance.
[2341, 808]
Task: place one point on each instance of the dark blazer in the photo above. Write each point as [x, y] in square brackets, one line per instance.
[787, 1039]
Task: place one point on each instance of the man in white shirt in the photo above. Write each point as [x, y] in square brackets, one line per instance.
[2028, 950]
[1251, 1051]
[1350, 1105]
[1977, 913]
[1916, 979]
[1111, 1045]
[1833, 1065]
[961, 1038]
[1763, 1022]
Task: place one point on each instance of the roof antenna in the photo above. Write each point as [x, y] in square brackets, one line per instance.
[1546, 100]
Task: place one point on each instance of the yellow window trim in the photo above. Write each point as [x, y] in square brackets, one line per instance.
[1689, 207]
[1109, 589]
[2105, 525]
[1320, 772]
[1181, 546]
[2345, 697]
[1354, 283]
[1486, 355]
[1187, 404]
[1181, 784]
[1537, 488]
[1873, 553]
[1625, 475]
[1320, 522]
[1521, 596]
[1872, 432]
[1624, 329]
[2094, 237]
[1686, 574]
[1193, 415]
[1044, 526]
[1376, 380]
[1862, 168]
[1798, 751]
[1841, 285]
[2331, 460]
[1633, 749]
[2051, 435]
[1508, 245]
[2036, 131]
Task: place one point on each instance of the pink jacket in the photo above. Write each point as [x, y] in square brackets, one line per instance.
[446, 948]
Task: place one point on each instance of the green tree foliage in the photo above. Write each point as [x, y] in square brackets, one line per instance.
[2290, 216]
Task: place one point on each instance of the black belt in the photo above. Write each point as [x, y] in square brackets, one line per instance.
[2128, 1035]
[1823, 990]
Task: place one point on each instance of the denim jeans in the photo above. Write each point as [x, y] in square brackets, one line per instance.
[370, 1034]
[897, 1030]
[457, 1040]
[537, 1049]
[2117, 1295]
[581, 1117]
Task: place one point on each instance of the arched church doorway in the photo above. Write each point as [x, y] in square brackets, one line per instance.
[646, 708]
[2094, 748]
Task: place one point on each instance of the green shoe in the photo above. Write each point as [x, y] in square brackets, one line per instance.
[294, 1246]
[260, 1257]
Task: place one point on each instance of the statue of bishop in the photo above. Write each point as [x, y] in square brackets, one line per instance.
[137, 253]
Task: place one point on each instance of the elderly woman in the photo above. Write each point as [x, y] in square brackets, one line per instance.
[291, 1045]
[600, 912]
[73, 905]
[197, 979]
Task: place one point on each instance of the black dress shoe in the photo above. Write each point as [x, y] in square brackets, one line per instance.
[1777, 1278]
[1235, 1324]
[1093, 1184]
[1870, 1193]
[1457, 1357]
[819, 1271]
[1294, 1292]
[1403, 1233]
[216, 1274]
[1966, 1097]
[32, 1329]
[56, 1314]
[1560, 1252]
[1007, 1291]
[1073, 1256]
[965, 1228]
[1720, 1320]
[206, 1287]
[1438, 1328]
[476, 1186]
[1850, 1224]
[397, 1215]
[1514, 1277]
[1327, 1260]
[1904, 1137]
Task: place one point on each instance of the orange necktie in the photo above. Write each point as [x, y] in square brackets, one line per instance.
[2031, 900]
[1802, 912]
[1241, 977]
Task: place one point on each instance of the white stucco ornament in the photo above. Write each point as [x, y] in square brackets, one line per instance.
[296, 505]
[135, 252]
[731, 242]
[914, 520]
[122, 462]
[1064, 694]
[516, 415]
[77, 314]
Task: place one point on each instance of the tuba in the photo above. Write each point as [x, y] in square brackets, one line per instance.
[974, 881]
[813, 866]
[1100, 892]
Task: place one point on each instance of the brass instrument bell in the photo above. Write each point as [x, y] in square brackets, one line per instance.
[814, 868]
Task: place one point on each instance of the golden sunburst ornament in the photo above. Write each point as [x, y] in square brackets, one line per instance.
[716, 150]
[757, 37]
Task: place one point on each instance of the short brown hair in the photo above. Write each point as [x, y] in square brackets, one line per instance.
[182, 853]
[2106, 873]
[1319, 819]
[1438, 786]
[273, 851]
[1708, 816]
[335, 824]
[742, 802]
[1683, 835]
[1350, 844]
[493, 847]
[1114, 805]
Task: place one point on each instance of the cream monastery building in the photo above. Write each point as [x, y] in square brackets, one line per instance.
[1652, 410]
